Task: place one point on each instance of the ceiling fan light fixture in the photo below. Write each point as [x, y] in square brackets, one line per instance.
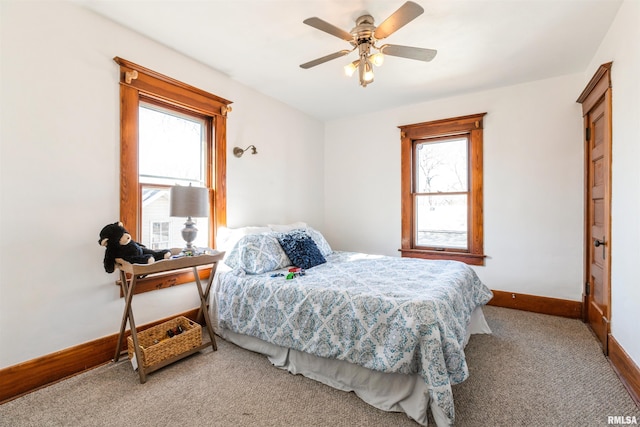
[366, 72]
[377, 59]
[351, 68]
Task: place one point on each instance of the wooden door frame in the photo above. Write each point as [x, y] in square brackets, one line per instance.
[597, 90]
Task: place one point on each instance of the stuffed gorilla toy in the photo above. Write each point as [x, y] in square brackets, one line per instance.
[119, 244]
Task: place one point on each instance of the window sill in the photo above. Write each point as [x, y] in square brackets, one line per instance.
[471, 259]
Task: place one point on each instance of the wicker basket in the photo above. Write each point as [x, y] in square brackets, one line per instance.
[156, 346]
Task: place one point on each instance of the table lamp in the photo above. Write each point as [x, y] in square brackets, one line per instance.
[189, 202]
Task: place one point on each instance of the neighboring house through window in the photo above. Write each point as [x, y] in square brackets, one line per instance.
[160, 235]
[442, 189]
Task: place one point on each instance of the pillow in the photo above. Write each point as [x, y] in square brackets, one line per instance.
[320, 241]
[227, 238]
[301, 249]
[287, 227]
[257, 254]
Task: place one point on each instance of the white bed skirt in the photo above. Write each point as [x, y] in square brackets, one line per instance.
[386, 391]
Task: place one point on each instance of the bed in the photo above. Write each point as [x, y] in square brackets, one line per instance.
[390, 329]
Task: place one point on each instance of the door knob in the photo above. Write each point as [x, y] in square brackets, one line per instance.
[597, 243]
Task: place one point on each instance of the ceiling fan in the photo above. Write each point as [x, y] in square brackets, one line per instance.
[364, 37]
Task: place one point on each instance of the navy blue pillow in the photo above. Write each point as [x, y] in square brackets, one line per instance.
[301, 249]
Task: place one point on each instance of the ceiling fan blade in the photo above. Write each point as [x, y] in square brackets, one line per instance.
[325, 59]
[401, 17]
[409, 52]
[328, 28]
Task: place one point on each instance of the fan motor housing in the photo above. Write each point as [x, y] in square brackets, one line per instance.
[363, 31]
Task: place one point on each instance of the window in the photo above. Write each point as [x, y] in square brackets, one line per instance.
[173, 149]
[170, 133]
[441, 193]
[442, 190]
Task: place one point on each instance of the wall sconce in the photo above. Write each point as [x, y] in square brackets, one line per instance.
[238, 152]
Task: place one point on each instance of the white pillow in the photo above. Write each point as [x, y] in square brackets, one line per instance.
[283, 228]
[257, 254]
[227, 238]
[320, 241]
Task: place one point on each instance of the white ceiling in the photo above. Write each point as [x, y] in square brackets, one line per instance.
[481, 44]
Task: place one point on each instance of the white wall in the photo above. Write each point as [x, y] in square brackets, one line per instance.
[533, 173]
[621, 46]
[59, 172]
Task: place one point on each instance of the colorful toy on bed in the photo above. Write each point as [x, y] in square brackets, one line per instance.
[119, 244]
[295, 272]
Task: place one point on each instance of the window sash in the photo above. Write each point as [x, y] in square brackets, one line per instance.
[147, 174]
[156, 212]
[451, 230]
[433, 171]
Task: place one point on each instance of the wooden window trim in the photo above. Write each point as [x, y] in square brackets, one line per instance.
[136, 83]
[472, 126]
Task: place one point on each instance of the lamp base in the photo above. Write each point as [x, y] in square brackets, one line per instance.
[189, 234]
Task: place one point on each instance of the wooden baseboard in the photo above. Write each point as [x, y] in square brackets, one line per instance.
[626, 369]
[31, 375]
[537, 304]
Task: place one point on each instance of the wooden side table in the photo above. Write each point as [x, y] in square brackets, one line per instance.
[128, 286]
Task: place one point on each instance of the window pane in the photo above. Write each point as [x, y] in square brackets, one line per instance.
[172, 147]
[442, 166]
[441, 221]
[159, 230]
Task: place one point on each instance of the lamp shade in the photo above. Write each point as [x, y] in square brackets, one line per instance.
[189, 201]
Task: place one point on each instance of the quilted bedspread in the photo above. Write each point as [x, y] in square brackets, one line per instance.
[388, 314]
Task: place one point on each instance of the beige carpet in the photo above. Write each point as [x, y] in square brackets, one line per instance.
[535, 370]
